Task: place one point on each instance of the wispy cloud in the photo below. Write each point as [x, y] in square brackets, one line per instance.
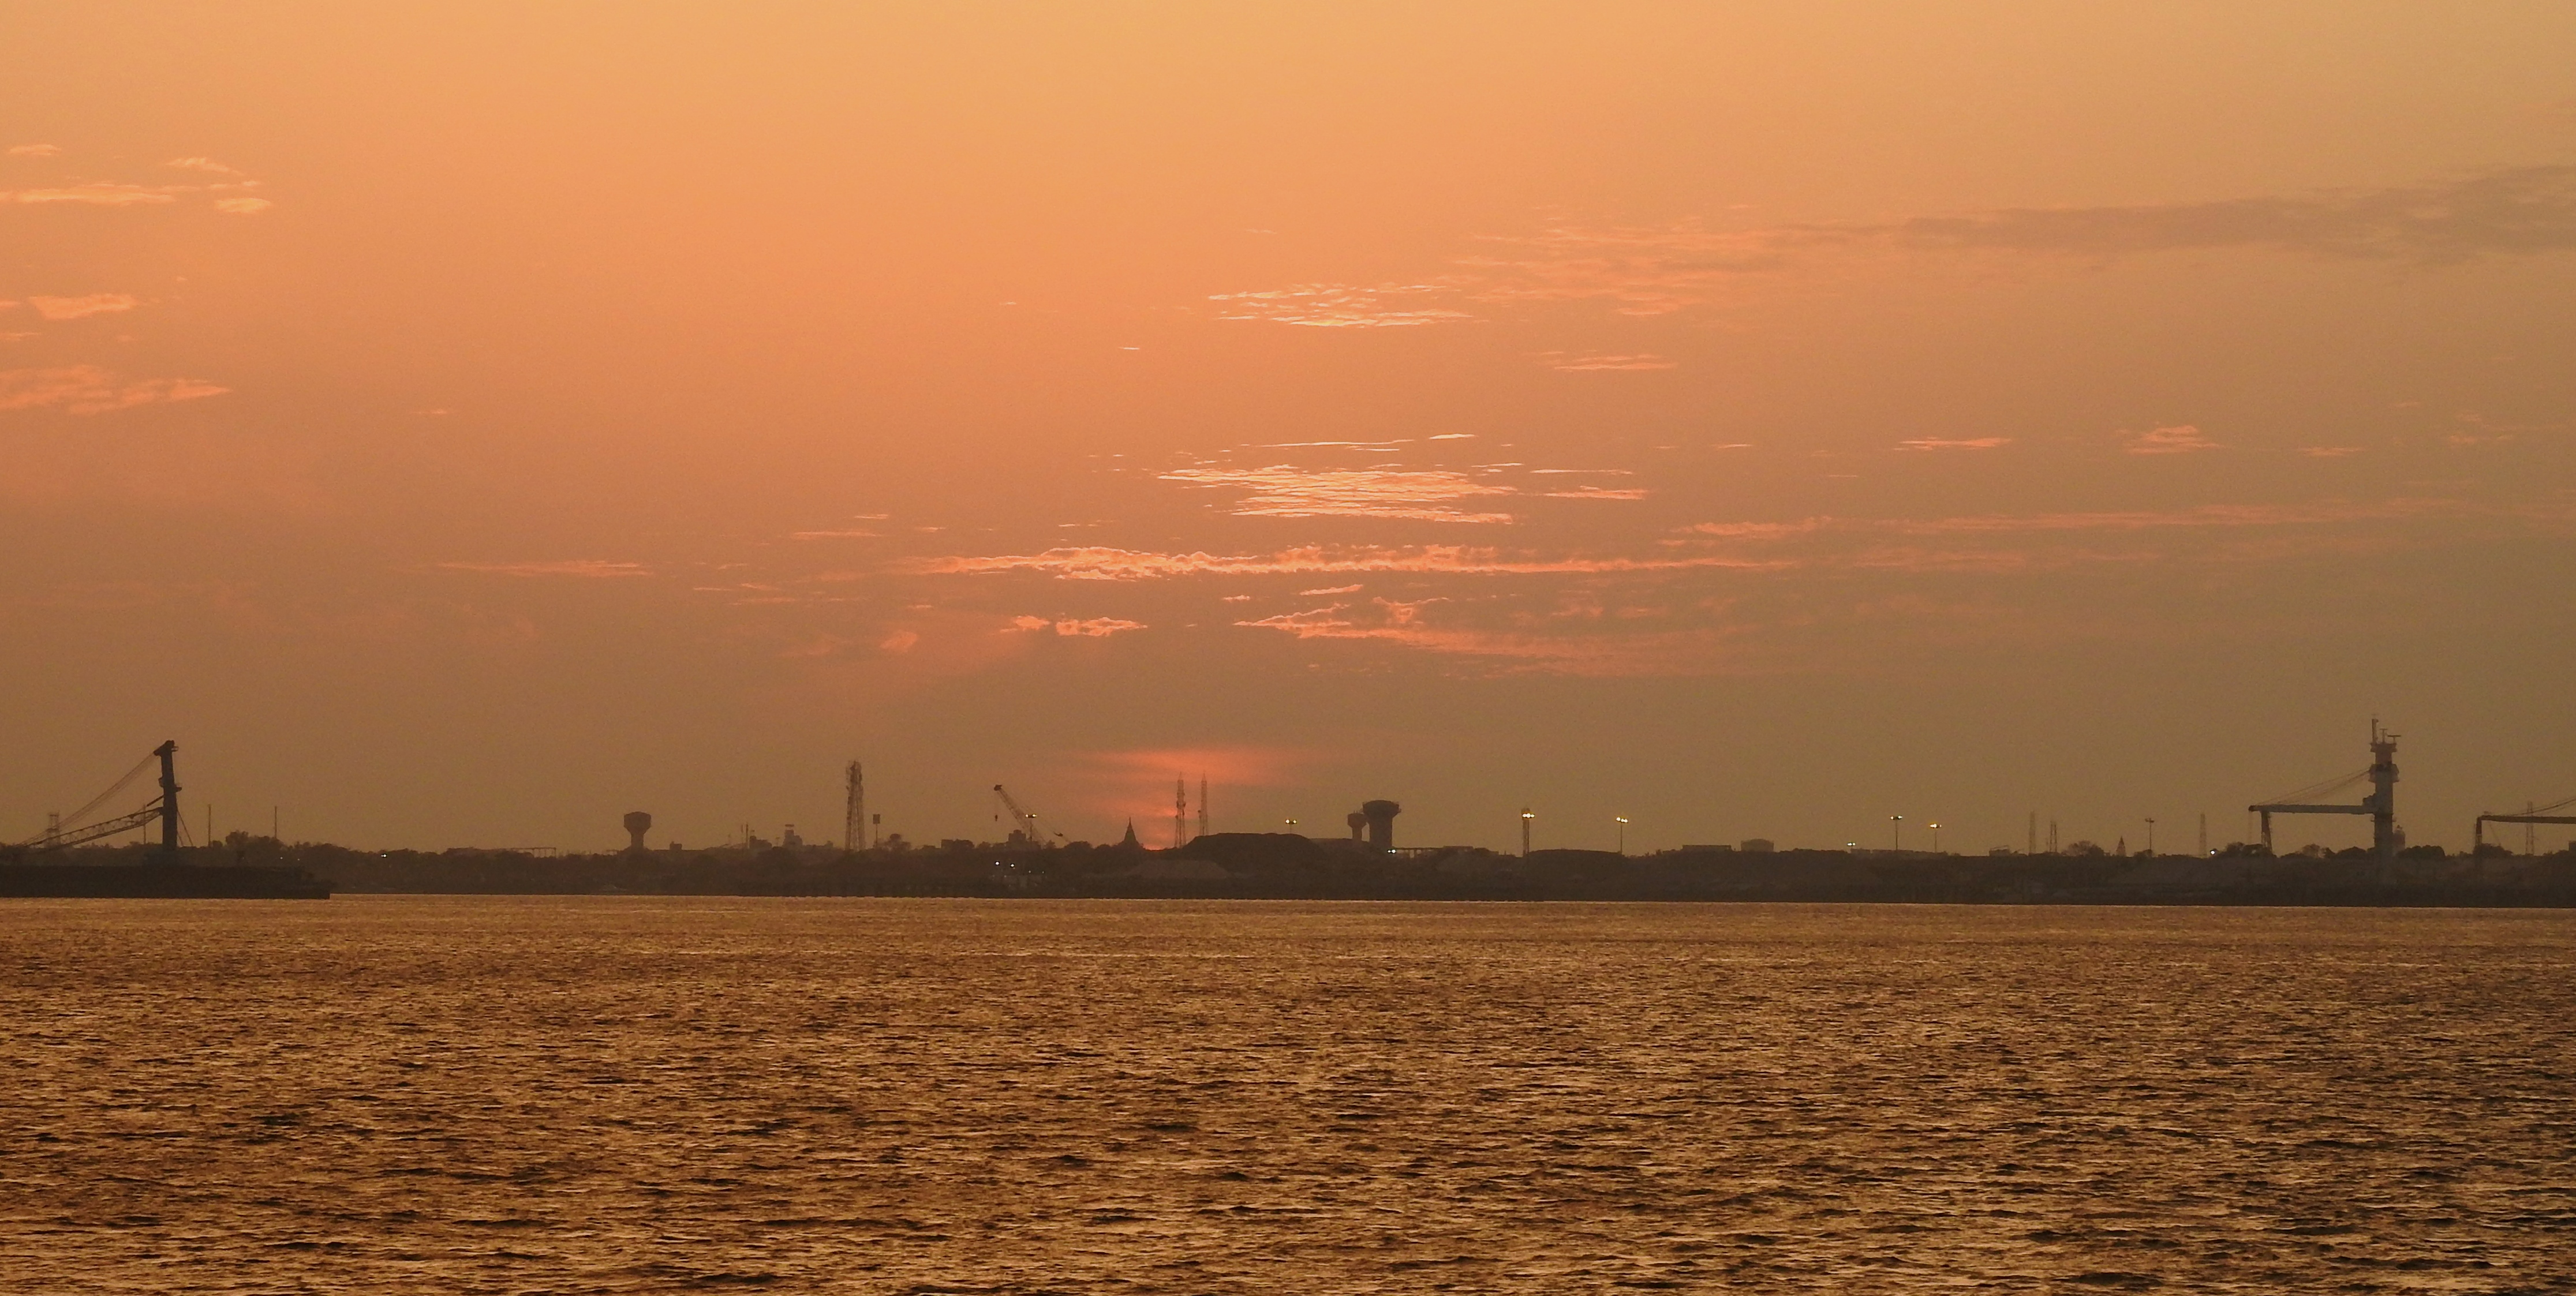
[33, 150]
[69, 308]
[1344, 305]
[2184, 439]
[2316, 513]
[1650, 270]
[580, 568]
[2516, 210]
[1092, 627]
[1285, 491]
[205, 164]
[98, 194]
[89, 389]
[1102, 563]
[1600, 493]
[242, 206]
[1400, 624]
[1939, 443]
[1605, 363]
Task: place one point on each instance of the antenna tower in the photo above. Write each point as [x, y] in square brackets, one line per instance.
[1180, 810]
[1203, 823]
[854, 811]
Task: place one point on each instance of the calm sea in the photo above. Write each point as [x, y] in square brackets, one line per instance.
[388, 1094]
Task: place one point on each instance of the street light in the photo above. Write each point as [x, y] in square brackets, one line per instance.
[1623, 833]
[1526, 816]
[1898, 845]
[1936, 839]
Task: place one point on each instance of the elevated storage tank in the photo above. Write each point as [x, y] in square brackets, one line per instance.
[1381, 823]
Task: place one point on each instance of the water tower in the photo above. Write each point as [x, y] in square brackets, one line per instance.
[1381, 823]
[637, 824]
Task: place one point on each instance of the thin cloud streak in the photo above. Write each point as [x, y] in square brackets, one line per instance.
[89, 389]
[1662, 269]
[1285, 491]
[72, 308]
[1092, 628]
[2184, 439]
[581, 568]
[1108, 564]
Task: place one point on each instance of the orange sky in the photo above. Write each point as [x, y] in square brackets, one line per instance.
[463, 424]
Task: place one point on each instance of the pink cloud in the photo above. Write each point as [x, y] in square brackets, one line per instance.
[1760, 530]
[89, 389]
[1286, 491]
[1093, 628]
[586, 568]
[1344, 305]
[95, 195]
[1103, 563]
[1599, 493]
[1610, 363]
[242, 206]
[1971, 443]
[68, 308]
[33, 150]
[2182, 439]
[1585, 654]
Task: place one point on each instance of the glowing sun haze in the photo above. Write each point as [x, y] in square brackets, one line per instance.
[461, 424]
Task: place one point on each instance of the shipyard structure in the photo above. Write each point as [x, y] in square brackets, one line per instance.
[1034, 861]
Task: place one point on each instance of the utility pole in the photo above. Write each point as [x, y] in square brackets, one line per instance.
[2204, 834]
[1896, 834]
[1203, 816]
[2034, 834]
[2151, 836]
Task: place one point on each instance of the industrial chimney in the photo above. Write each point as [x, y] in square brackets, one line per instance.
[637, 824]
[1381, 823]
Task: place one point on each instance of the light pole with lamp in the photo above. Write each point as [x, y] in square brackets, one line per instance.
[1623, 833]
[1526, 816]
[1896, 834]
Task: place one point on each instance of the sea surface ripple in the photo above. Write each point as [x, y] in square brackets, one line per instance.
[632, 1094]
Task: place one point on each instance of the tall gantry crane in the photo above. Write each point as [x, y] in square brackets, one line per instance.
[164, 807]
[2530, 815]
[2381, 804]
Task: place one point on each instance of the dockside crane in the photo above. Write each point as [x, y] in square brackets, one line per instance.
[2380, 804]
[2532, 815]
[164, 807]
[1027, 822]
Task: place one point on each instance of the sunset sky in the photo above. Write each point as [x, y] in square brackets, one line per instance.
[462, 424]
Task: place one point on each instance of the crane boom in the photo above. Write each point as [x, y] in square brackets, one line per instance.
[1027, 821]
[164, 807]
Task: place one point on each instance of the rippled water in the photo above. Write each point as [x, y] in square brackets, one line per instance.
[637, 1094]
